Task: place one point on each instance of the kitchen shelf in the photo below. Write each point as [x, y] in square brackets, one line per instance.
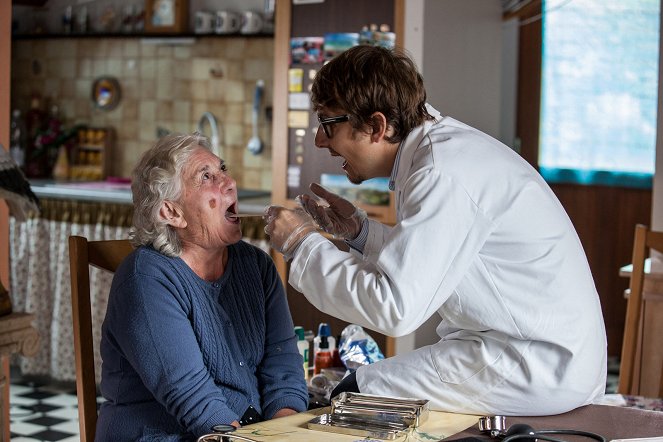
[298, 20]
[52, 36]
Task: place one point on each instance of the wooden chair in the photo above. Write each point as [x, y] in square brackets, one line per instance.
[105, 255]
[629, 382]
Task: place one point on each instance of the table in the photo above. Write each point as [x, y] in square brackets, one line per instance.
[293, 428]
[649, 345]
[612, 422]
[17, 335]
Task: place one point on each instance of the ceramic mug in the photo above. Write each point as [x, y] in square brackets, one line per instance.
[204, 22]
[251, 22]
[227, 22]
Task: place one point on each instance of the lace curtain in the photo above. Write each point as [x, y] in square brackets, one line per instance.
[40, 279]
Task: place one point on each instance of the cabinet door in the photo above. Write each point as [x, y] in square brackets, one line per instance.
[290, 146]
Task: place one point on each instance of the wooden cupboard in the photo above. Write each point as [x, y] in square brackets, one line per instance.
[307, 20]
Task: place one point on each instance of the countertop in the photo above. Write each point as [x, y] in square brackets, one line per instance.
[250, 201]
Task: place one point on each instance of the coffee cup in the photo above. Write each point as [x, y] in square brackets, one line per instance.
[252, 22]
[204, 22]
[227, 22]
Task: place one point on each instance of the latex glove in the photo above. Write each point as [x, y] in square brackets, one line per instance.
[287, 228]
[340, 217]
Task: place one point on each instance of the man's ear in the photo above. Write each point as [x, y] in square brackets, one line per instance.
[379, 127]
[172, 214]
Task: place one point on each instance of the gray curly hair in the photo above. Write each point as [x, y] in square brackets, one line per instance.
[157, 178]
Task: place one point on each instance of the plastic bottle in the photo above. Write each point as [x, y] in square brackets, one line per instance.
[17, 142]
[336, 355]
[323, 358]
[303, 347]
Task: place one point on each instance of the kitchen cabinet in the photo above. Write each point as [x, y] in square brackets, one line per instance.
[307, 20]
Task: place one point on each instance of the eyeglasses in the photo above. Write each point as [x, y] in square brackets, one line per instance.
[326, 123]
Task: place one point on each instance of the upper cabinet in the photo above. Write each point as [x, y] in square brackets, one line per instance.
[296, 161]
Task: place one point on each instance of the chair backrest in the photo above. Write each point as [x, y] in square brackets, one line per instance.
[82, 253]
[645, 239]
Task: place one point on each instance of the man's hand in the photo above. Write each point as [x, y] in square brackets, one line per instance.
[287, 228]
[339, 218]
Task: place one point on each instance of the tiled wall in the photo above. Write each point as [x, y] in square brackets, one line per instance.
[163, 86]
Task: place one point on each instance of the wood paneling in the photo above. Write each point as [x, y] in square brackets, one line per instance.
[605, 219]
[316, 19]
[529, 86]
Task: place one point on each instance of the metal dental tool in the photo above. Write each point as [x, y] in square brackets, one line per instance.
[247, 215]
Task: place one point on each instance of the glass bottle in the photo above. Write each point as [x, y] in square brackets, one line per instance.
[323, 358]
[17, 142]
[35, 157]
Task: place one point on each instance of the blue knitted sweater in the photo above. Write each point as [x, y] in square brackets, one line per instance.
[181, 354]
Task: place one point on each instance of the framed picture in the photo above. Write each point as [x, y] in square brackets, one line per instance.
[166, 16]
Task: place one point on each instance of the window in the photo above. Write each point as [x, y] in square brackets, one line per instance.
[599, 91]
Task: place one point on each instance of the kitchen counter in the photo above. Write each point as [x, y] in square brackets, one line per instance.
[250, 201]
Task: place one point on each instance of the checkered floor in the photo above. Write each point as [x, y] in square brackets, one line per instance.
[43, 412]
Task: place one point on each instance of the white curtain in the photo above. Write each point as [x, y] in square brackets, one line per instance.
[40, 281]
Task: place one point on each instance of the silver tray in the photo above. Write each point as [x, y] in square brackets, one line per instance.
[410, 412]
[377, 417]
[355, 427]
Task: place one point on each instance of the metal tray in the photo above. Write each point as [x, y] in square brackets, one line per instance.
[355, 427]
[409, 412]
[376, 417]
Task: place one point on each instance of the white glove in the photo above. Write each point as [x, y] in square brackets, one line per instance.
[287, 229]
[340, 217]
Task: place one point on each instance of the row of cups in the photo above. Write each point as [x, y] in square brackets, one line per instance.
[228, 22]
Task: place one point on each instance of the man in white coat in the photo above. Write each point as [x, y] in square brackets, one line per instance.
[480, 240]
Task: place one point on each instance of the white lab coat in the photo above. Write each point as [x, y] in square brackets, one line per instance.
[481, 240]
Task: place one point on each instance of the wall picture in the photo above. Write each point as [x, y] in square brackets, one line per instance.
[166, 16]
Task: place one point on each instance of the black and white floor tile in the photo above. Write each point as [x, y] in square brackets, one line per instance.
[42, 412]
